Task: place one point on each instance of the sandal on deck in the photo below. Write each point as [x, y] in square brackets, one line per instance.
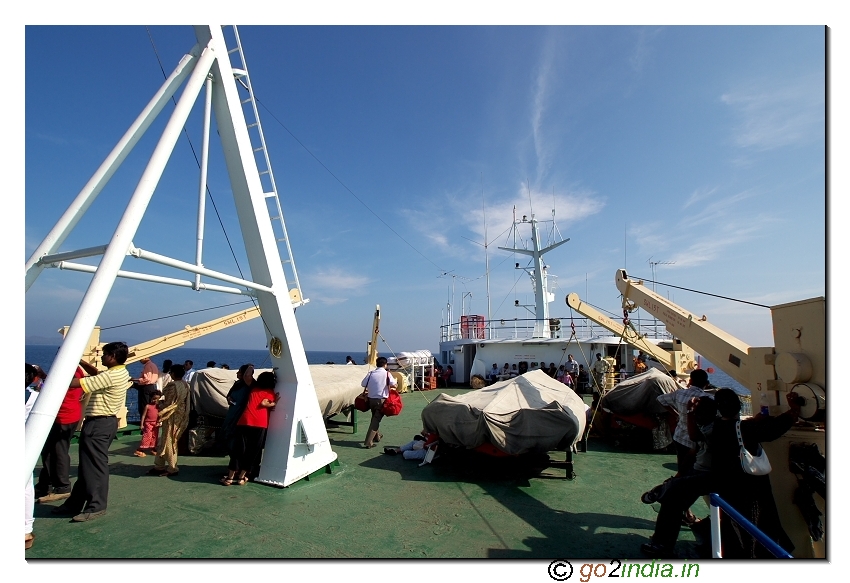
[240, 481]
[225, 481]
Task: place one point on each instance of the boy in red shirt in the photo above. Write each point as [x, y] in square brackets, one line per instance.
[251, 429]
[55, 456]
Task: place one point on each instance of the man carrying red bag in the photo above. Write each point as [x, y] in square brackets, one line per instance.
[377, 383]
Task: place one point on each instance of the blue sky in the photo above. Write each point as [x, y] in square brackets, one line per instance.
[699, 146]
[702, 146]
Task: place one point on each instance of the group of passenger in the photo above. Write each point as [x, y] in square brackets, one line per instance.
[571, 373]
[105, 392]
[250, 401]
[163, 404]
[442, 375]
[708, 435]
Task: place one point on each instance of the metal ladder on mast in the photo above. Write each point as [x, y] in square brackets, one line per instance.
[261, 156]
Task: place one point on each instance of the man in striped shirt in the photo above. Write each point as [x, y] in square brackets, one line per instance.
[108, 392]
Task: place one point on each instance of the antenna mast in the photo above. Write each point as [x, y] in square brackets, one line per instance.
[486, 259]
[653, 264]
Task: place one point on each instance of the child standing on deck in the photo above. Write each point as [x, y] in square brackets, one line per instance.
[150, 427]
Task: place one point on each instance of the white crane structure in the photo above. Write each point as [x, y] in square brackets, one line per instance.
[297, 443]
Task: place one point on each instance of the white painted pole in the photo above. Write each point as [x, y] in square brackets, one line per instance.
[286, 457]
[156, 279]
[716, 550]
[99, 179]
[191, 268]
[202, 194]
[47, 405]
[48, 260]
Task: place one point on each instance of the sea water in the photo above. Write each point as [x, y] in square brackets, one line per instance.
[43, 356]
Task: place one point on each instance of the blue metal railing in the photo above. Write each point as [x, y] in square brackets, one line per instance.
[716, 504]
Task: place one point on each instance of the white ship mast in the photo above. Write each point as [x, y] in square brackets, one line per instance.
[542, 296]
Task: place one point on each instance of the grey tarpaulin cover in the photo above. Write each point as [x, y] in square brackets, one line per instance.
[639, 394]
[336, 387]
[529, 413]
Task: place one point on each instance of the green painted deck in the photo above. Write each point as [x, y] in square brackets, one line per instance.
[371, 506]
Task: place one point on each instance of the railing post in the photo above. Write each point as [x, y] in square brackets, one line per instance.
[716, 504]
[716, 552]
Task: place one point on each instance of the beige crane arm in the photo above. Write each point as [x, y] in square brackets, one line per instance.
[796, 362]
[167, 342]
[372, 347]
[722, 349]
[680, 360]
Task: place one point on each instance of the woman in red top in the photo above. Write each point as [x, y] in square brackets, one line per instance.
[55, 459]
[251, 429]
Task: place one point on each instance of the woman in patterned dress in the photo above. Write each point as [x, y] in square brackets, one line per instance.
[174, 416]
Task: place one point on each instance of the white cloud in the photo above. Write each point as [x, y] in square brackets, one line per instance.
[575, 205]
[337, 278]
[324, 286]
[539, 105]
[328, 300]
[772, 117]
[698, 195]
[720, 211]
[440, 234]
[643, 50]
[702, 235]
[650, 235]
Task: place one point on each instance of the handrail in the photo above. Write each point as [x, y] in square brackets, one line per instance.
[716, 504]
[525, 327]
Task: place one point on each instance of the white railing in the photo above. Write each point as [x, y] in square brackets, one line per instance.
[523, 328]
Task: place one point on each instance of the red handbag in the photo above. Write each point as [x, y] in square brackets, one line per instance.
[392, 404]
[361, 403]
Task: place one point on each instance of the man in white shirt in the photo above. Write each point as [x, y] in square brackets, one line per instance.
[572, 367]
[377, 383]
[190, 371]
[677, 403]
[599, 369]
[494, 373]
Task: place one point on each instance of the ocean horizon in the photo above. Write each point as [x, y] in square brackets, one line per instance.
[43, 355]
